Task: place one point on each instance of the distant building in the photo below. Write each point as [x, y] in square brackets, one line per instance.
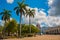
[38, 25]
[53, 30]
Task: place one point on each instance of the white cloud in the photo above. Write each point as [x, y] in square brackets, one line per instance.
[2, 23]
[40, 17]
[10, 18]
[50, 2]
[10, 1]
[54, 8]
[54, 12]
[53, 21]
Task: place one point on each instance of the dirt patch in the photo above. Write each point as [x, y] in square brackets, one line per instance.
[39, 37]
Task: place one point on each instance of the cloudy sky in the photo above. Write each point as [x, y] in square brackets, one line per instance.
[47, 12]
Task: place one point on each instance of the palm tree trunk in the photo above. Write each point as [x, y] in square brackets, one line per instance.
[3, 32]
[5, 28]
[19, 34]
[9, 31]
[29, 23]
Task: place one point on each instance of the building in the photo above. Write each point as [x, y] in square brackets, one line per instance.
[38, 25]
[53, 30]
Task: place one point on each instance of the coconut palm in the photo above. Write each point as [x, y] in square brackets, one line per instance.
[5, 16]
[20, 10]
[30, 13]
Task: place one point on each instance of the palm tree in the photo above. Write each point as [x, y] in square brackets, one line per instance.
[20, 10]
[31, 13]
[5, 16]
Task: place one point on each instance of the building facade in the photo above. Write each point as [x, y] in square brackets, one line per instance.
[53, 30]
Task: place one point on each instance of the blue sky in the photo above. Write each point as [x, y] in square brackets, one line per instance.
[32, 3]
[48, 11]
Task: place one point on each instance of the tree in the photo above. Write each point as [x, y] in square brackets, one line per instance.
[6, 17]
[11, 27]
[20, 9]
[25, 30]
[1, 28]
[30, 13]
[34, 29]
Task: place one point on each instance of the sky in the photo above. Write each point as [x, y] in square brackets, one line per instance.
[47, 12]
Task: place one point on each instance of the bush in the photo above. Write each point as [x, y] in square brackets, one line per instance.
[26, 30]
[11, 27]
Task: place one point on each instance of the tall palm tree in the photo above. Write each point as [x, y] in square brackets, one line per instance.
[6, 17]
[20, 10]
[30, 13]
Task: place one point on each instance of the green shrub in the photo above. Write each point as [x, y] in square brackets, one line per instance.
[26, 30]
[11, 27]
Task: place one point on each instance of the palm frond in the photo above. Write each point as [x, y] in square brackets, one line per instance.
[19, 4]
[22, 1]
[1, 13]
[26, 15]
[9, 11]
[2, 18]
[16, 8]
[17, 12]
[33, 10]
[24, 12]
[30, 12]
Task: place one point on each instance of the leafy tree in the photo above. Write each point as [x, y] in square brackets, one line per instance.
[20, 9]
[26, 28]
[34, 29]
[11, 27]
[1, 28]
